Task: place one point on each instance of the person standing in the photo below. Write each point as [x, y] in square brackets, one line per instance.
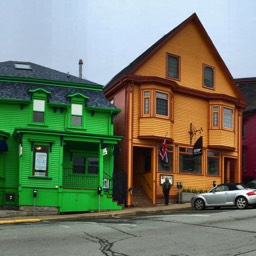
[166, 190]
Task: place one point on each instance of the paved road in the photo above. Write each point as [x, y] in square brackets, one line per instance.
[227, 232]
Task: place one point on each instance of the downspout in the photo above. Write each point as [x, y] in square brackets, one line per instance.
[129, 144]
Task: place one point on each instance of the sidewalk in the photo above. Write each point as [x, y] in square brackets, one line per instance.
[76, 216]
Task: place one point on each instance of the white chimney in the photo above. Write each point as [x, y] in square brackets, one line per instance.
[80, 63]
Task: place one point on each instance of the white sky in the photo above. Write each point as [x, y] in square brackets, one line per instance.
[109, 34]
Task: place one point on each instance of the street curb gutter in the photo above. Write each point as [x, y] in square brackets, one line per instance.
[110, 214]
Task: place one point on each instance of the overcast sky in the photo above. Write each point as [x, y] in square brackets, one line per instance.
[109, 34]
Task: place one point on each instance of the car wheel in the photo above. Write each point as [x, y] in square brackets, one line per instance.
[199, 204]
[241, 202]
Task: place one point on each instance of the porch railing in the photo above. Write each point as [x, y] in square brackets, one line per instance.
[79, 181]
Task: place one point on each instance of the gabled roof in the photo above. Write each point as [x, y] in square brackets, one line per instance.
[139, 61]
[17, 84]
[7, 68]
[247, 87]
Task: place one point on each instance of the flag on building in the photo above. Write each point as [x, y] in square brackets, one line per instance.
[163, 151]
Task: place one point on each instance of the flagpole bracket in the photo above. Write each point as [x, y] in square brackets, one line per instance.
[193, 131]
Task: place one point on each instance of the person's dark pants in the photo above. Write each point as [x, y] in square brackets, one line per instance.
[166, 197]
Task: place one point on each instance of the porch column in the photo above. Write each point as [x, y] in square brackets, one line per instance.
[100, 166]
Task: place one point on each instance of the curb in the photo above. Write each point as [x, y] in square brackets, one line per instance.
[103, 214]
[19, 221]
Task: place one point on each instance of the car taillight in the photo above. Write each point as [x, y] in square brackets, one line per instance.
[251, 193]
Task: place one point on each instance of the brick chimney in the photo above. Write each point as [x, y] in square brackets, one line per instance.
[80, 63]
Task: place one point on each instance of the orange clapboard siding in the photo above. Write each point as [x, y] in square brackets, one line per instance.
[194, 52]
[189, 110]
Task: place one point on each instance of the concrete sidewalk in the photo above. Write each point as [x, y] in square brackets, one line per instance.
[96, 214]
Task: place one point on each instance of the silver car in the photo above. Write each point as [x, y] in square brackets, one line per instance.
[227, 194]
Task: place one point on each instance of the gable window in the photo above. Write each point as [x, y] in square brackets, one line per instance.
[40, 160]
[173, 66]
[208, 77]
[76, 114]
[227, 118]
[213, 160]
[188, 163]
[38, 110]
[161, 104]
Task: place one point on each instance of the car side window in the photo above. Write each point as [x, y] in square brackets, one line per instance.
[222, 188]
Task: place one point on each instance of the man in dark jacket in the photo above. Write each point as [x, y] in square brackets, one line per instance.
[166, 190]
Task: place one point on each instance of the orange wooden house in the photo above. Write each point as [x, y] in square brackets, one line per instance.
[178, 90]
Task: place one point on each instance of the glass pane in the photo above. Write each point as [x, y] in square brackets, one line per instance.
[213, 166]
[215, 119]
[38, 117]
[40, 160]
[77, 109]
[164, 166]
[93, 165]
[146, 94]
[208, 77]
[146, 106]
[76, 120]
[78, 164]
[39, 105]
[173, 67]
[162, 107]
[162, 95]
[228, 118]
[190, 164]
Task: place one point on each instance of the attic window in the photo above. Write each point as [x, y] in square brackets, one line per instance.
[22, 66]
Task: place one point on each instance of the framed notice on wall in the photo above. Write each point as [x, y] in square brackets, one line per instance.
[164, 176]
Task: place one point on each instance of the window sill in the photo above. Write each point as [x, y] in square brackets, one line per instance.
[40, 177]
[38, 124]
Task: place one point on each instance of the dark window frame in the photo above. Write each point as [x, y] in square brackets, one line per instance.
[208, 79]
[173, 69]
[39, 167]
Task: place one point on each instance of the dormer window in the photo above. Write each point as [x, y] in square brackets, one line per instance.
[208, 78]
[38, 111]
[76, 114]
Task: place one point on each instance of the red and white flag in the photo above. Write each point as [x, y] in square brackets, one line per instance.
[163, 151]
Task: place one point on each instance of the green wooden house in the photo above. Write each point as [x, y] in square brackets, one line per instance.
[56, 141]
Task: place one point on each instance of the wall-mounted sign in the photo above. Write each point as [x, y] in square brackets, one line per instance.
[105, 151]
[163, 177]
[105, 183]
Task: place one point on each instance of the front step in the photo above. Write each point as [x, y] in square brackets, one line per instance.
[140, 198]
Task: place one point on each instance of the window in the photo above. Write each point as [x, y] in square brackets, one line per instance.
[161, 104]
[173, 66]
[215, 116]
[93, 165]
[146, 102]
[208, 77]
[163, 165]
[188, 163]
[78, 164]
[213, 159]
[38, 110]
[85, 165]
[76, 114]
[221, 117]
[40, 160]
[227, 118]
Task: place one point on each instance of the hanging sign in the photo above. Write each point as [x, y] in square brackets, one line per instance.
[198, 147]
